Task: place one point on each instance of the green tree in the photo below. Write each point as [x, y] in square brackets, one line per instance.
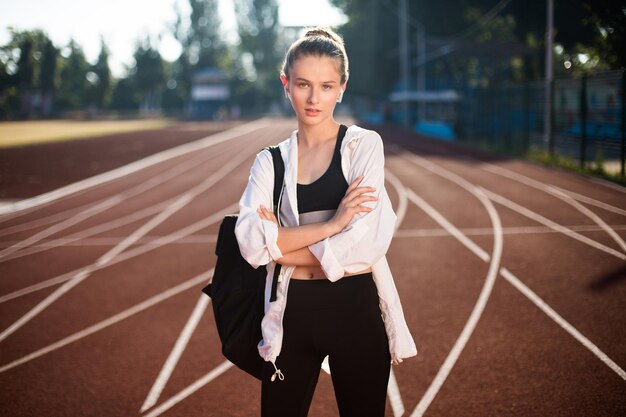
[258, 27]
[48, 78]
[21, 60]
[202, 45]
[149, 76]
[100, 79]
[73, 81]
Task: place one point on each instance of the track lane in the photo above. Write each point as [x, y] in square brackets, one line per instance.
[439, 281]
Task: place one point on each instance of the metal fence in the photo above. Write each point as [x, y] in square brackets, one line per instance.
[588, 118]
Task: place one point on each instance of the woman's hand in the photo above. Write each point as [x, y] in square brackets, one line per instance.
[266, 214]
[351, 204]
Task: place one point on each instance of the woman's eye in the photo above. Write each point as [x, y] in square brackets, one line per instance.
[303, 85]
[327, 87]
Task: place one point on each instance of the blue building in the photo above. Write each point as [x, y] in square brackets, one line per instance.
[209, 93]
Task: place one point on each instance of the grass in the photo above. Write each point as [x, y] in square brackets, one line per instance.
[14, 134]
[595, 168]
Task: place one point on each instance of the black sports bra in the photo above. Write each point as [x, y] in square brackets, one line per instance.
[319, 200]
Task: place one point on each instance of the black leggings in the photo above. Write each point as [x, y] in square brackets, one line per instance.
[341, 320]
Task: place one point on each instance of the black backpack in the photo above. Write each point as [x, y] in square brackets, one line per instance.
[237, 290]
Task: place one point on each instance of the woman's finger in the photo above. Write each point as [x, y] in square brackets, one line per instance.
[358, 192]
[354, 184]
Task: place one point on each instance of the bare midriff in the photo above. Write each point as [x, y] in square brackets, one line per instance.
[316, 272]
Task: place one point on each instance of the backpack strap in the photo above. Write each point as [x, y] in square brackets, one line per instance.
[279, 178]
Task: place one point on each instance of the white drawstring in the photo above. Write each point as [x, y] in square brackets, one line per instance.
[278, 374]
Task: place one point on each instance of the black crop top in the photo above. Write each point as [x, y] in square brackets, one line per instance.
[319, 200]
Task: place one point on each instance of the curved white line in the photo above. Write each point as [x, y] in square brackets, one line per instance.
[393, 392]
[479, 307]
[19, 207]
[512, 175]
[402, 196]
[514, 206]
[592, 202]
[553, 225]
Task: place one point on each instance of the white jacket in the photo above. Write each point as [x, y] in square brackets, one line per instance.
[361, 245]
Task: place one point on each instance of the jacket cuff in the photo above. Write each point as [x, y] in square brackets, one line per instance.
[323, 250]
[270, 230]
[329, 263]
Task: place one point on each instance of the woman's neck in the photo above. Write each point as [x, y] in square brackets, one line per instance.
[311, 136]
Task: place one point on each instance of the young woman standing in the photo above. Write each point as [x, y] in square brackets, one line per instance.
[335, 294]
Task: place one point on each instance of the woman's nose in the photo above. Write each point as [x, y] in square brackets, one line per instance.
[313, 96]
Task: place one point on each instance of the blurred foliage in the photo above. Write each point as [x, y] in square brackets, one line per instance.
[470, 43]
[259, 57]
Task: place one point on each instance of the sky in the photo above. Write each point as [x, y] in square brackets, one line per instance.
[123, 22]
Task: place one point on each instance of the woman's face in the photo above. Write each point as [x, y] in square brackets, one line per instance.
[314, 86]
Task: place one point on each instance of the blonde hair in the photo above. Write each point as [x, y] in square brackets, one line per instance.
[319, 41]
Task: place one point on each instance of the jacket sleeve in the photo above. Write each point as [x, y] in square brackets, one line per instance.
[257, 238]
[368, 236]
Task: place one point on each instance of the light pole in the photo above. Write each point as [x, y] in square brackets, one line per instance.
[549, 74]
[404, 57]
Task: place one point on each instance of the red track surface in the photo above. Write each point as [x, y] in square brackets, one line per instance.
[514, 289]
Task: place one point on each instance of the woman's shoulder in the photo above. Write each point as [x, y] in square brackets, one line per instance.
[360, 136]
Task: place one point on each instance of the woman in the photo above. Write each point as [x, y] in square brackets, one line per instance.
[336, 224]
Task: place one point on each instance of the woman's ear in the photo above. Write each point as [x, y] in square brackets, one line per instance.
[285, 81]
[342, 89]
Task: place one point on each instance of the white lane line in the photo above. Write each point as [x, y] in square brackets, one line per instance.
[43, 221]
[19, 207]
[100, 228]
[483, 231]
[176, 353]
[131, 253]
[445, 173]
[592, 201]
[404, 233]
[453, 177]
[86, 272]
[182, 201]
[117, 199]
[171, 402]
[512, 175]
[402, 196]
[479, 307]
[114, 240]
[506, 274]
[553, 225]
[436, 216]
[393, 392]
[92, 211]
[193, 282]
[441, 171]
[608, 184]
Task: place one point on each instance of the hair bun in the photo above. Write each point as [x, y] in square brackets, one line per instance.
[324, 32]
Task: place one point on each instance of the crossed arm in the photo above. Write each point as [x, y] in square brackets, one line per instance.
[293, 242]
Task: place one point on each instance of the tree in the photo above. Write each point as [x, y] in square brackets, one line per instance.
[149, 76]
[73, 74]
[100, 79]
[22, 60]
[202, 46]
[257, 22]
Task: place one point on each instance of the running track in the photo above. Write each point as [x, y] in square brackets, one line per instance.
[512, 277]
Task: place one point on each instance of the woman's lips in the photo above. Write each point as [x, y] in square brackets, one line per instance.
[312, 112]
